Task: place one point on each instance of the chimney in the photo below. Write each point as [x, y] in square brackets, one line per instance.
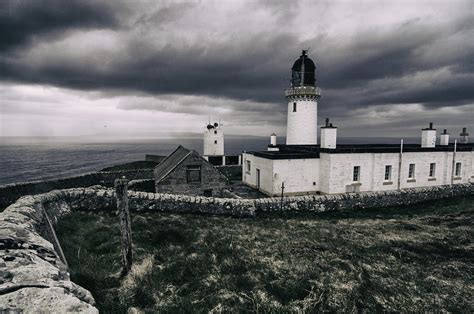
[464, 136]
[273, 142]
[444, 138]
[328, 135]
[428, 136]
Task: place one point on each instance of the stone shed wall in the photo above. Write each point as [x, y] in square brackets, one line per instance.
[176, 181]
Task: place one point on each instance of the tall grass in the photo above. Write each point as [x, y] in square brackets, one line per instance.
[398, 259]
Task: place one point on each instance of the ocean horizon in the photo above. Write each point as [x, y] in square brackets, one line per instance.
[24, 159]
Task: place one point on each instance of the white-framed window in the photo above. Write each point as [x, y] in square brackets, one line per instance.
[215, 142]
[248, 166]
[411, 171]
[356, 174]
[432, 169]
[457, 169]
[388, 173]
[294, 107]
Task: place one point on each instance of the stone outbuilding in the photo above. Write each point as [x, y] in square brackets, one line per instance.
[184, 171]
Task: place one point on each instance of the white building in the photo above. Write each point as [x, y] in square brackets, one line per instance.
[213, 150]
[303, 167]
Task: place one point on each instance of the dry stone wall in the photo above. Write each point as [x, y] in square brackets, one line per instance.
[33, 272]
[11, 192]
[33, 276]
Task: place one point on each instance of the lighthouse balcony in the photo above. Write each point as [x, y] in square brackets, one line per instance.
[303, 91]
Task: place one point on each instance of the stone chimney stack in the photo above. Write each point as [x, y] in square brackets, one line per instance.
[428, 136]
[328, 135]
[444, 138]
[464, 136]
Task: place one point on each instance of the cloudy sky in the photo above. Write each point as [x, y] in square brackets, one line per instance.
[144, 68]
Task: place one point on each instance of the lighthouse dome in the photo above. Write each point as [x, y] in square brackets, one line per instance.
[303, 71]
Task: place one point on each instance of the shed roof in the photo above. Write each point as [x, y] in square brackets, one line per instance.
[171, 162]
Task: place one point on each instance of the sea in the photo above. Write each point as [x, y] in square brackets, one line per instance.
[24, 159]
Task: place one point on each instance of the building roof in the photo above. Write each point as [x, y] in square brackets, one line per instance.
[171, 162]
[303, 70]
[314, 151]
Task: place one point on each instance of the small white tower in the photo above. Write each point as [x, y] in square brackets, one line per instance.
[302, 96]
[428, 136]
[464, 136]
[444, 138]
[213, 140]
[328, 135]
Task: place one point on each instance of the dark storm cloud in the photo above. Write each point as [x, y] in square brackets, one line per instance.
[370, 68]
[23, 20]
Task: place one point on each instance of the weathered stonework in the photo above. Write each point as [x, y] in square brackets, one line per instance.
[11, 192]
[33, 273]
[33, 277]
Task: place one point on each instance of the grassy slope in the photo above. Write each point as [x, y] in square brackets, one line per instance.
[418, 258]
[134, 165]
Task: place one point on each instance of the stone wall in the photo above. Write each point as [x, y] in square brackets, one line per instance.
[212, 181]
[33, 276]
[11, 192]
[33, 273]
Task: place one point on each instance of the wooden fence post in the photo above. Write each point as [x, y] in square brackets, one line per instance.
[124, 223]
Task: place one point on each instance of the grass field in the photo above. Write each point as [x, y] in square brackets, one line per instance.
[416, 258]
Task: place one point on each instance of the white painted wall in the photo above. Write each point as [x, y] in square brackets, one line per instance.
[211, 148]
[266, 172]
[301, 127]
[333, 173]
[328, 137]
[299, 175]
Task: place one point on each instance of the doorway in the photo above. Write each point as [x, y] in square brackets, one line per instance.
[258, 178]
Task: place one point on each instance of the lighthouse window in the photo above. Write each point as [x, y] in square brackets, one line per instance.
[411, 171]
[432, 169]
[215, 142]
[215, 132]
[294, 107]
[356, 174]
[388, 172]
[193, 173]
[457, 170]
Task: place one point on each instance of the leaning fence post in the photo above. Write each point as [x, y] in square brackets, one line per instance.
[124, 223]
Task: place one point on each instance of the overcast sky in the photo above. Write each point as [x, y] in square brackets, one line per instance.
[386, 68]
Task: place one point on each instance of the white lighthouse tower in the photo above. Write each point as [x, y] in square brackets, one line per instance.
[302, 96]
[213, 140]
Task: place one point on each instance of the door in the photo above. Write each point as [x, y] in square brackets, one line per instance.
[258, 178]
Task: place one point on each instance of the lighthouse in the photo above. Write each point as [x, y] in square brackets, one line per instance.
[302, 97]
[213, 140]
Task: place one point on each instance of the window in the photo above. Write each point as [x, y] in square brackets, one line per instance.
[193, 173]
[411, 171]
[388, 173]
[356, 174]
[432, 169]
[215, 132]
[215, 142]
[457, 170]
[294, 107]
[248, 166]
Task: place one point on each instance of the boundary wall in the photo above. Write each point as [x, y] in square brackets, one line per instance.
[33, 274]
[11, 192]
